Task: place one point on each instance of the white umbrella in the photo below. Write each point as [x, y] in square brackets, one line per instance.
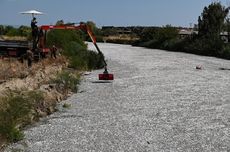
[33, 12]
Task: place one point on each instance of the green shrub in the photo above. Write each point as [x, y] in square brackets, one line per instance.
[78, 63]
[94, 60]
[14, 113]
[83, 59]
[67, 81]
[159, 38]
[66, 105]
[75, 49]
[226, 52]
[62, 38]
[13, 32]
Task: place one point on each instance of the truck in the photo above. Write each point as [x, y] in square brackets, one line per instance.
[13, 48]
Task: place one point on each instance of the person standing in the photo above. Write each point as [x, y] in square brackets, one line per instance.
[29, 54]
[34, 28]
[53, 52]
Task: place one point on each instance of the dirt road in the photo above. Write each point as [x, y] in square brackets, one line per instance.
[158, 101]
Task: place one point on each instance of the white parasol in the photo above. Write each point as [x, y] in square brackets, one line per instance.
[32, 12]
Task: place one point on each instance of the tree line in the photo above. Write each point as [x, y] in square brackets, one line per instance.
[14, 31]
[212, 21]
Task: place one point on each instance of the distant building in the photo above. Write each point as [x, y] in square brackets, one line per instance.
[185, 33]
[224, 36]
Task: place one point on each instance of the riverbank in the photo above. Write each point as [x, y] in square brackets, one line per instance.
[158, 101]
[41, 87]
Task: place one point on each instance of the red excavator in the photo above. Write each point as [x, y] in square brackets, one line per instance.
[82, 26]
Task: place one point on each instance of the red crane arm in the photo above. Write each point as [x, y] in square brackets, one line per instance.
[82, 26]
[86, 28]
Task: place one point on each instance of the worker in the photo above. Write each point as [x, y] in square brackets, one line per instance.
[34, 28]
[29, 55]
[33, 23]
[53, 52]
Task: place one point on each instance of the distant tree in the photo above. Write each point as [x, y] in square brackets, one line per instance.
[94, 28]
[24, 31]
[228, 27]
[167, 33]
[109, 31]
[91, 24]
[60, 22]
[147, 34]
[62, 38]
[157, 34]
[7, 29]
[96, 31]
[211, 22]
[1, 30]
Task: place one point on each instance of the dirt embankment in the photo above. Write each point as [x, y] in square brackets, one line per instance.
[15, 75]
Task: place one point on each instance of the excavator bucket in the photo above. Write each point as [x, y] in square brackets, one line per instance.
[105, 76]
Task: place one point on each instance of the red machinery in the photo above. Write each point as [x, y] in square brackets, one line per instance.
[81, 26]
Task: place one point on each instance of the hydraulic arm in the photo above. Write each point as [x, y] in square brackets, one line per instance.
[87, 29]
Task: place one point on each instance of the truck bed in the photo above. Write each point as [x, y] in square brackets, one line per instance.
[13, 48]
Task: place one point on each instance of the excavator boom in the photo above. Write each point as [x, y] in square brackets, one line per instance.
[84, 27]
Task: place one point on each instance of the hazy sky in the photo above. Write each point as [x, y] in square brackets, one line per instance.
[106, 12]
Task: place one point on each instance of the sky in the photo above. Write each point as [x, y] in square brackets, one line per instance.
[106, 12]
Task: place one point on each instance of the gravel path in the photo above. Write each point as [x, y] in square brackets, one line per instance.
[157, 102]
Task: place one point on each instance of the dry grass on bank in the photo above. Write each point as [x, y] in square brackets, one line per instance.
[16, 75]
[12, 68]
[16, 38]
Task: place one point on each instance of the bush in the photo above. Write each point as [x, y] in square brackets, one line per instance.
[159, 38]
[12, 31]
[204, 46]
[62, 38]
[14, 112]
[76, 50]
[66, 105]
[226, 52]
[81, 58]
[78, 63]
[94, 60]
[67, 81]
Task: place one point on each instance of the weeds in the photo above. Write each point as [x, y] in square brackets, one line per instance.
[15, 111]
[18, 108]
[67, 81]
[66, 105]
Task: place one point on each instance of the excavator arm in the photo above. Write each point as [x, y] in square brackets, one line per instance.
[84, 27]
